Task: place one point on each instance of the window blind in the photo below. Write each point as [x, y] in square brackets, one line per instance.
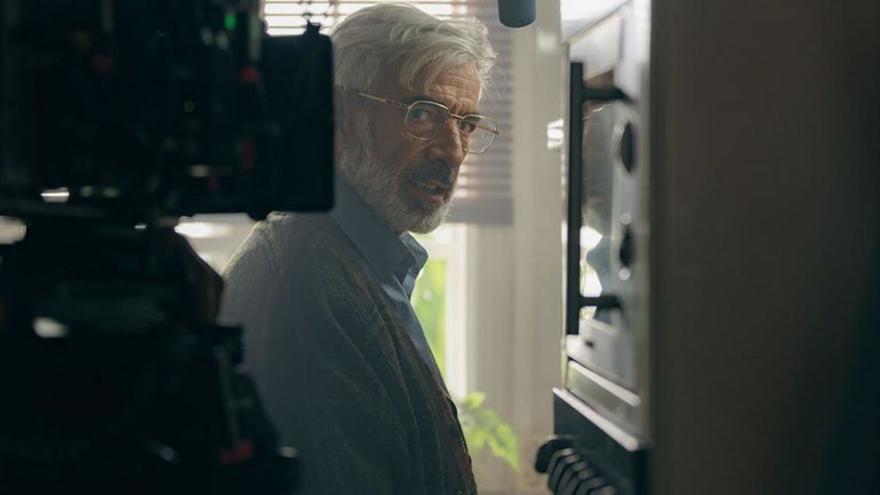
[485, 183]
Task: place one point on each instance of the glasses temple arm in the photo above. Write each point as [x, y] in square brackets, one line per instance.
[384, 100]
[493, 131]
[485, 128]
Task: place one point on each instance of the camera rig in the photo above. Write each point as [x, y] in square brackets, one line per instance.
[139, 109]
[116, 118]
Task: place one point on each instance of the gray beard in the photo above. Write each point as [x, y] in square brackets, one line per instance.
[379, 187]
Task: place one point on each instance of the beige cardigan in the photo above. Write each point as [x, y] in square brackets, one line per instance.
[339, 376]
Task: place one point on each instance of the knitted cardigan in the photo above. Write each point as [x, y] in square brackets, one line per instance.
[339, 376]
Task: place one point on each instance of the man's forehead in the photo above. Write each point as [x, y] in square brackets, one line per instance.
[457, 86]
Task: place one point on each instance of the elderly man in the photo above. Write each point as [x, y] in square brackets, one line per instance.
[332, 339]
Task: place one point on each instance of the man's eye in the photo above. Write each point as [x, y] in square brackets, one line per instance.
[420, 114]
[468, 125]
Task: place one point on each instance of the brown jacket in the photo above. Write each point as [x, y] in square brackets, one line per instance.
[341, 379]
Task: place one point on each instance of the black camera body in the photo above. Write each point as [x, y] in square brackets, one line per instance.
[116, 118]
[115, 377]
[135, 110]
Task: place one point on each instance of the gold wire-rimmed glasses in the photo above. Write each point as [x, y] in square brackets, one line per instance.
[424, 119]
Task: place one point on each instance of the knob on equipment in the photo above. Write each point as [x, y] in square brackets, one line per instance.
[627, 147]
[626, 253]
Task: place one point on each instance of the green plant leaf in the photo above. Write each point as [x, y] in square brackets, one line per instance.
[474, 400]
[429, 303]
[504, 445]
[482, 426]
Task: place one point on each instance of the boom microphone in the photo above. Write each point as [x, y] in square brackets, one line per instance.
[516, 13]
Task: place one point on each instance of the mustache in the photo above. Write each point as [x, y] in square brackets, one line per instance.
[437, 172]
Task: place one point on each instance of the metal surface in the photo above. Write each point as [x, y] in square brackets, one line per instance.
[603, 410]
[578, 16]
[610, 270]
[616, 403]
[618, 457]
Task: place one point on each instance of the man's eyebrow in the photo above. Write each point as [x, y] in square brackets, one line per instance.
[415, 98]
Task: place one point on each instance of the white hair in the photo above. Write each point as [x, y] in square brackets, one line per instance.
[399, 37]
[401, 40]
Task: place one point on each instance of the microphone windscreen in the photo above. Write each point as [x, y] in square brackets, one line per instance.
[516, 13]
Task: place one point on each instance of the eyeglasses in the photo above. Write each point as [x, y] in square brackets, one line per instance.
[424, 120]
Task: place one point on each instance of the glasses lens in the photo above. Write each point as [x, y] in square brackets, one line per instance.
[480, 132]
[425, 118]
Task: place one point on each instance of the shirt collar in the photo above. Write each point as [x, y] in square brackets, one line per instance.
[383, 249]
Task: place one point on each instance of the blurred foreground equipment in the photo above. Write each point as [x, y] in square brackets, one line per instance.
[116, 118]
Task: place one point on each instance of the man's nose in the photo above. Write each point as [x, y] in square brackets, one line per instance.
[447, 145]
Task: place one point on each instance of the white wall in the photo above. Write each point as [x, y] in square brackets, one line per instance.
[515, 273]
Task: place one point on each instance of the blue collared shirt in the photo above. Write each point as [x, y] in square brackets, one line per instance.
[396, 260]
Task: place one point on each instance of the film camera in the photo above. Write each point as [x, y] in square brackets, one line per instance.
[116, 118]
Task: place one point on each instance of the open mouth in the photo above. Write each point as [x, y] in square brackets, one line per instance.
[431, 186]
[431, 191]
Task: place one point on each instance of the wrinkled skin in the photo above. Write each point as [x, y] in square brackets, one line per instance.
[385, 166]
